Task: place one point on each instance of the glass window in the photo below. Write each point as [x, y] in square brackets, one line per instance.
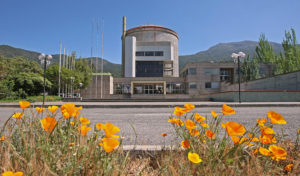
[149, 53]
[149, 68]
[192, 85]
[159, 53]
[212, 85]
[120, 88]
[226, 74]
[175, 88]
[140, 53]
[192, 71]
[208, 85]
[211, 71]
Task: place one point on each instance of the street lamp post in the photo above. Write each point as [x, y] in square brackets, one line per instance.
[238, 56]
[46, 61]
[80, 85]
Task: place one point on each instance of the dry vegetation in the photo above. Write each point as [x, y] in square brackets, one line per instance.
[54, 141]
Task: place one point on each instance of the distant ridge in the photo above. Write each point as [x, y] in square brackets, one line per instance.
[222, 52]
[218, 53]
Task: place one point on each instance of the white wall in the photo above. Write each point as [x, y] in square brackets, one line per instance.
[130, 48]
[168, 54]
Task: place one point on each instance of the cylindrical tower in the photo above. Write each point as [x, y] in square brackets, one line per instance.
[151, 51]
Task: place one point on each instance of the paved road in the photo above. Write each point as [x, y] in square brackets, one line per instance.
[149, 123]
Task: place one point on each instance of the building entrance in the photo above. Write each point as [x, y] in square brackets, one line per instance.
[148, 89]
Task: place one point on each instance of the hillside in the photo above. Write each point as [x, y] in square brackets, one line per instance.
[10, 52]
[222, 52]
[218, 53]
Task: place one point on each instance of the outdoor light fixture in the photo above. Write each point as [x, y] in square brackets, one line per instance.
[80, 85]
[238, 56]
[46, 61]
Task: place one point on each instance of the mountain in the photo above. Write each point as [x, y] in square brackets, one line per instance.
[10, 52]
[222, 52]
[218, 53]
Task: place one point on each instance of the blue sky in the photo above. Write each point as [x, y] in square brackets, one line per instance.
[39, 25]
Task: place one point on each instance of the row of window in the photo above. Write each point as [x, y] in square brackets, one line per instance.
[211, 71]
[208, 85]
[149, 53]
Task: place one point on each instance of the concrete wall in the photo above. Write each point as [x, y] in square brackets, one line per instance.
[290, 81]
[130, 48]
[91, 93]
[280, 88]
[256, 96]
[151, 46]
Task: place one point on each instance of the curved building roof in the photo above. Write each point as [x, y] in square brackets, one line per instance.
[150, 27]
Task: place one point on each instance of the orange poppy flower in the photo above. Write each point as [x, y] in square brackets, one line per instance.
[66, 115]
[24, 104]
[69, 110]
[84, 121]
[179, 122]
[214, 114]
[298, 131]
[235, 139]
[223, 125]
[99, 126]
[276, 118]
[18, 115]
[227, 110]
[204, 125]
[190, 124]
[194, 132]
[110, 130]
[210, 134]
[179, 111]
[39, 109]
[164, 134]
[185, 144]
[198, 117]
[84, 129]
[72, 123]
[267, 139]
[288, 167]
[109, 144]
[189, 107]
[253, 138]
[255, 151]
[48, 123]
[266, 130]
[261, 122]
[173, 120]
[2, 138]
[52, 108]
[10, 173]
[235, 129]
[278, 153]
[264, 151]
[194, 158]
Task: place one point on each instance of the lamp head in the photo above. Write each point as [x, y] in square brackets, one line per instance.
[49, 57]
[42, 56]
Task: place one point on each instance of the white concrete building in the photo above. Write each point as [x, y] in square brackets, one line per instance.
[149, 51]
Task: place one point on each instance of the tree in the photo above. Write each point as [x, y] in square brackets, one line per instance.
[250, 70]
[290, 60]
[20, 77]
[82, 74]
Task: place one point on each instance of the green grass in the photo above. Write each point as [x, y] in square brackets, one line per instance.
[31, 99]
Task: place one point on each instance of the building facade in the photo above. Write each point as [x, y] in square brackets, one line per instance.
[150, 68]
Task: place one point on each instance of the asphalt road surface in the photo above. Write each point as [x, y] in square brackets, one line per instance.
[143, 126]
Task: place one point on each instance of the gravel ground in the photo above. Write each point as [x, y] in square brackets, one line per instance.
[149, 123]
